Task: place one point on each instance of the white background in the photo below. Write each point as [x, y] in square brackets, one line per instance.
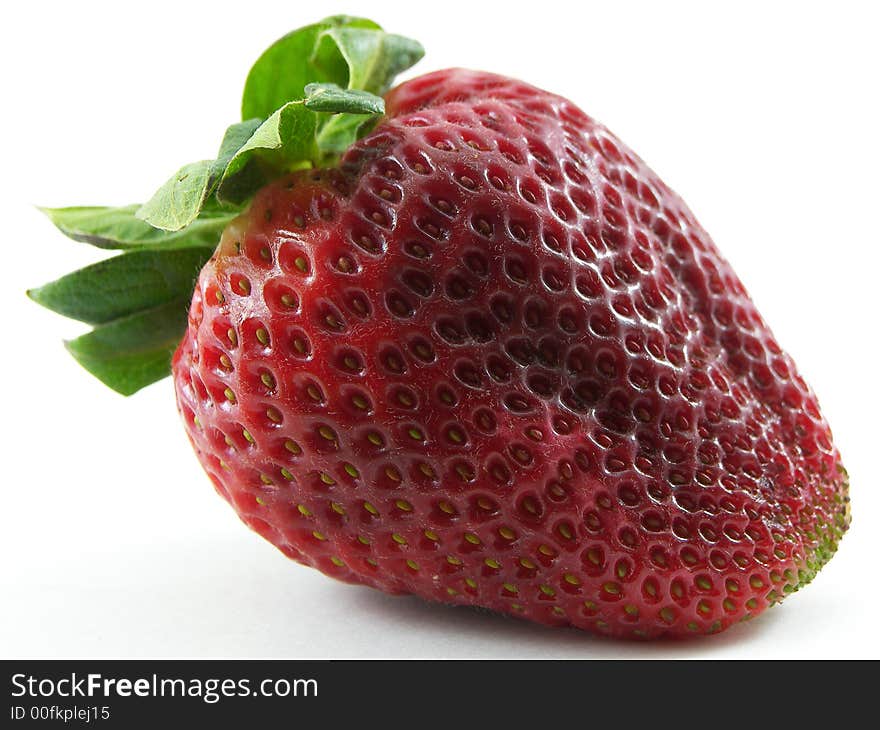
[113, 543]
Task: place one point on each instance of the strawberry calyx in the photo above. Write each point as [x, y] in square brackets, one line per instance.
[307, 98]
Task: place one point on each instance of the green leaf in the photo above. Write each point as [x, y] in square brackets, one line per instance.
[281, 73]
[289, 134]
[177, 203]
[118, 228]
[341, 131]
[236, 136]
[373, 57]
[130, 353]
[180, 200]
[327, 55]
[123, 285]
[339, 66]
[335, 99]
[352, 53]
[284, 142]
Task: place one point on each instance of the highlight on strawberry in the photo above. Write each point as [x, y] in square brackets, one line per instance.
[457, 340]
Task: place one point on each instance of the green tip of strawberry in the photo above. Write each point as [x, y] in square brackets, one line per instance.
[306, 100]
[823, 539]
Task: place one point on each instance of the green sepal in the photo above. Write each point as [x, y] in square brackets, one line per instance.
[234, 139]
[130, 353]
[284, 142]
[123, 285]
[333, 98]
[353, 53]
[180, 200]
[373, 57]
[338, 67]
[177, 203]
[336, 136]
[292, 138]
[119, 228]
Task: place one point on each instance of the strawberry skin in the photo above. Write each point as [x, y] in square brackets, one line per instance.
[493, 360]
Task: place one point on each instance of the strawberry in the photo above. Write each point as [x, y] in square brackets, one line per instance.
[478, 352]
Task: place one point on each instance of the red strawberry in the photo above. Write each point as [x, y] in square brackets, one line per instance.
[491, 359]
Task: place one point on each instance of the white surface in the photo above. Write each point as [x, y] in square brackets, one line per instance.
[112, 541]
